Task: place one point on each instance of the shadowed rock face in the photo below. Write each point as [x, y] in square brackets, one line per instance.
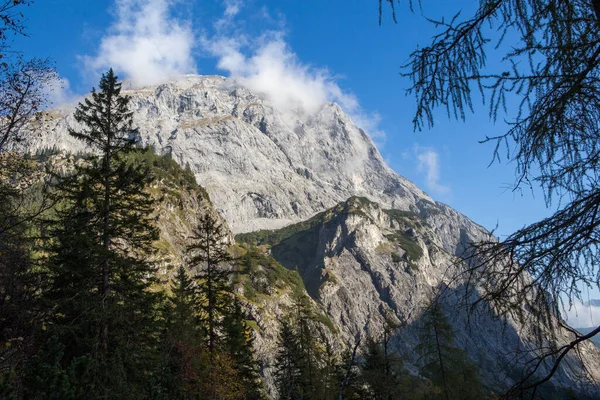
[385, 250]
[364, 263]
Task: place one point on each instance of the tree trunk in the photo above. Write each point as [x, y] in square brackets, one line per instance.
[106, 233]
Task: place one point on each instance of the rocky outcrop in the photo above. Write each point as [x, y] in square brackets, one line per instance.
[262, 169]
[365, 264]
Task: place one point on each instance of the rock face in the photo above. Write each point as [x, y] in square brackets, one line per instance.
[364, 264]
[370, 245]
[261, 168]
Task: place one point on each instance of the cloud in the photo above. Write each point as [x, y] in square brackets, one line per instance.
[268, 66]
[232, 7]
[58, 91]
[274, 71]
[429, 165]
[148, 45]
[582, 315]
[145, 43]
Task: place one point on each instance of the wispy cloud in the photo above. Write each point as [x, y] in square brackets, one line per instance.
[232, 7]
[583, 315]
[268, 66]
[145, 43]
[428, 164]
[58, 92]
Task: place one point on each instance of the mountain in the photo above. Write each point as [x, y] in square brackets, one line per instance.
[311, 196]
[262, 168]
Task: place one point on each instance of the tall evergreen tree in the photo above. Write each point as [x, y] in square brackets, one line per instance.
[304, 368]
[383, 370]
[207, 254]
[182, 366]
[102, 243]
[446, 365]
[238, 344]
[184, 323]
[287, 364]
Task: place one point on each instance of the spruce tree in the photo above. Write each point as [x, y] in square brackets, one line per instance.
[102, 241]
[310, 360]
[238, 344]
[183, 340]
[207, 254]
[183, 320]
[287, 364]
[444, 364]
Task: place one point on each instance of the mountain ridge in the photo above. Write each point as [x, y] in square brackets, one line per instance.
[230, 137]
[388, 246]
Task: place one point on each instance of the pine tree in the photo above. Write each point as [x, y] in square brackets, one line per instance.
[302, 369]
[310, 356]
[382, 370]
[287, 364]
[183, 320]
[447, 366]
[330, 372]
[238, 344]
[350, 381]
[208, 253]
[182, 366]
[102, 241]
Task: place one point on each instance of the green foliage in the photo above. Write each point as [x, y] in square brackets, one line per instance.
[448, 367]
[165, 170]
[287, 364]
[207, 253]
[274, 237]
[238, 344]
[101, 239]
[408, 244]
[262, 274]
[403, 215]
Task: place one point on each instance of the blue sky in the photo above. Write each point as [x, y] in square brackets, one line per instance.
[316, 51]
[337, 44]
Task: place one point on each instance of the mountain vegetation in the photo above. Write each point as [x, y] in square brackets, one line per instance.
[120, 279]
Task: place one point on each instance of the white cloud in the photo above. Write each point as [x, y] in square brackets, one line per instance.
[274, 71]
[268, 66]
[429, 165]
[58, 91]
[145, 43]
[148, 45]
[581, 315]
[232, 7]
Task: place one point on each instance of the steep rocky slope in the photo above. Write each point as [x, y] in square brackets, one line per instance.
[384, 251]
[262, 169]
[364, 263]
[266, 289]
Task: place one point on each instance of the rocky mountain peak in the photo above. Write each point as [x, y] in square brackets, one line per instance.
[264, 168]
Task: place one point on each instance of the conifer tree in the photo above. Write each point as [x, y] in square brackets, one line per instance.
[99, 255]
[238, 344]
[207, 254]
[183, 317]
[382, 370]
[350, 381]
[287, 364]
[447, 366]
[310, 350]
